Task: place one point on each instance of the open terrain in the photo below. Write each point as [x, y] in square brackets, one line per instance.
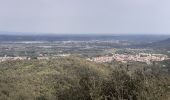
[83, 68]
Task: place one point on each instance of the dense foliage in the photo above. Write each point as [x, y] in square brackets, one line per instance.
[74, 78]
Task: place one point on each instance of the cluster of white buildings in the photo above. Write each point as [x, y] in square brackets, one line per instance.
[142, 57]
[5, 58]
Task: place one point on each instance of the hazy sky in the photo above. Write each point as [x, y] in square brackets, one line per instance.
[85, 16]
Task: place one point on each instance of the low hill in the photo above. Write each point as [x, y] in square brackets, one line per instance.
[75, 78]
[164, 44]
[28, 80]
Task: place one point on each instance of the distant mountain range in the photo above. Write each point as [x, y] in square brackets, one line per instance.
[81, 37]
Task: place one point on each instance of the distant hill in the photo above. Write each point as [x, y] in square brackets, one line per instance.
[161, 44]
[13, 36]
[167, 41]
[164, 44]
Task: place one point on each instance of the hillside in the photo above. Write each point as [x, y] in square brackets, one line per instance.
[40, 79]
[164, 44]
[74, 78]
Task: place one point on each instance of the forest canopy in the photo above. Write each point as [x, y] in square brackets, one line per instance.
[74, 78]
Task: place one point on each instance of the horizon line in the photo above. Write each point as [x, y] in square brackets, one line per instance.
[65, 33]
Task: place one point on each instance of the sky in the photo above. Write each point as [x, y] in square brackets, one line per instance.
[85, 16]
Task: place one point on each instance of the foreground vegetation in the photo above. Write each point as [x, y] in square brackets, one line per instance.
[74, 78]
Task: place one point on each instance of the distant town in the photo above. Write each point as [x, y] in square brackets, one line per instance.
[124, 58]
[141, 57]
[41, 57]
